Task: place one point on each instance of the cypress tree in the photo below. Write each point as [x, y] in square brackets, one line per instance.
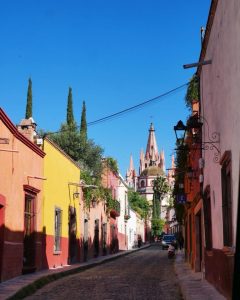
[70, 117]
[28, 113]
[83, 127]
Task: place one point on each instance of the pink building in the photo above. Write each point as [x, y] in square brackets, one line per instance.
[220, 111]
[20, 202]
[110, 180]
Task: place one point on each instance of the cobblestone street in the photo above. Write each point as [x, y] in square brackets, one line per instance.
[145, 274]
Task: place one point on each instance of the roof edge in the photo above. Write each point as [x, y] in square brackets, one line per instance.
[211, 16]
[8, 123]
[62, 152]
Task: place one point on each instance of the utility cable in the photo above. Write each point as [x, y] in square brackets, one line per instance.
[130, 109]
[136, 106]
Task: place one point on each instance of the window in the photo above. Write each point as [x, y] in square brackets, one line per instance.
[226, 198]
[142, 183]
[29, 215]
[58, 229]
[207, 218]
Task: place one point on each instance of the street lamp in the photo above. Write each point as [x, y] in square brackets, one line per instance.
[194, 124]
[180, 132]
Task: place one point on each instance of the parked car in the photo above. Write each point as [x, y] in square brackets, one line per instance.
[167, 240]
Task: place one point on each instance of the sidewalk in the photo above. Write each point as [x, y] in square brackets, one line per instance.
[193, 287]
[17, 287]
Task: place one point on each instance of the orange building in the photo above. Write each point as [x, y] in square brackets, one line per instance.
[194, 206]
[20, 201]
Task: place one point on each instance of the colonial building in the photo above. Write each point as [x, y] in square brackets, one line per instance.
[219, 85]
[61, 207]
[152, 164]
[21, 204]
[122, 220]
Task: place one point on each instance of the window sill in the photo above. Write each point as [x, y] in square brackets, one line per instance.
[57, 252]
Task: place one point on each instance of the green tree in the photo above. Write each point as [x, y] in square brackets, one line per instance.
[70, 117]
[68, 140]
[78, 147]
[160, 188]
[112, 164]
[83, 126]
[28, 113]
[157, 226]
[90, 159]
[139, 204]
[192, 91]
[181, 163]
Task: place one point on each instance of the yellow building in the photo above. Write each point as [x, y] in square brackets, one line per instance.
[61, 209]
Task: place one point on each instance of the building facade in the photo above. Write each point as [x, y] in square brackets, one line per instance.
[61, 207]
[219, 81]
[21, 189]
[122, 220]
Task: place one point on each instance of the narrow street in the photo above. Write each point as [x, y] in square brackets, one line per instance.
[145, 274]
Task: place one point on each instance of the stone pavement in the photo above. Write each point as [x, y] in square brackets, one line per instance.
[193, 286]
[9, 288]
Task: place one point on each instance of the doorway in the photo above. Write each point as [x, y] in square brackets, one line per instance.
[198, 227]
[72, 236]
[85, 240]
[96, 238]
[29, 250]
[2, 207]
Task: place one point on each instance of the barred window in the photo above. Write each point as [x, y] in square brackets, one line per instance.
[58, 229]
[226, 198]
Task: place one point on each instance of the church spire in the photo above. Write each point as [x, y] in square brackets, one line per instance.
[131, 166]
[152, 149]
[131, 174]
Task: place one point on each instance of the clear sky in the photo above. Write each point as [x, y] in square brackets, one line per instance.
[113, 53]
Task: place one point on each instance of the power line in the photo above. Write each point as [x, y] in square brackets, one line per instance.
[130, 109]
[136, 106]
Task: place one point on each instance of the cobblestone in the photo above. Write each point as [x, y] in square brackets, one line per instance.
[146, 274]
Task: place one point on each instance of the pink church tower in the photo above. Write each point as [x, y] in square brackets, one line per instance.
[131, 174]
[152, 156]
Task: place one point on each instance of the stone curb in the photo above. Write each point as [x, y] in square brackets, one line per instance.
[25, 285]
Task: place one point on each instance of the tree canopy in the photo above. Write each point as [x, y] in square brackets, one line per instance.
[28, 113]
[138, 204]
[160, 188]
[70, 116]
[192, 91]
[83, 125]
[86, 153]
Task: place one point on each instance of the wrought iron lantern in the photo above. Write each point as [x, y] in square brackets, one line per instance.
[180, 132]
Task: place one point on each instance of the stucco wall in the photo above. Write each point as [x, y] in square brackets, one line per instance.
[221, 105]
[59, 171]
[17, 167]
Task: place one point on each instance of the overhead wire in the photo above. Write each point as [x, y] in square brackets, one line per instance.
[130, 109]
[136, 106]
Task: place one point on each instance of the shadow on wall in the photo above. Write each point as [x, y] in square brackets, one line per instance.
[21, 253]
[97, 247]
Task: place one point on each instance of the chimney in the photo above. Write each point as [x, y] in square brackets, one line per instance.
[28, 128]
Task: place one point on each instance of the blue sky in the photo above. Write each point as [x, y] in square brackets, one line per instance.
[114, 54]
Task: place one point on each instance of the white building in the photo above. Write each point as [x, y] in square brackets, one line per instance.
[122, 193]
